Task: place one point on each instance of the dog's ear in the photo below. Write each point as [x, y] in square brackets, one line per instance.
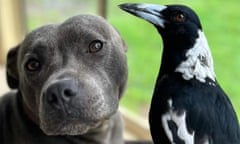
[125, 48]
[12, 70]
[119, 39]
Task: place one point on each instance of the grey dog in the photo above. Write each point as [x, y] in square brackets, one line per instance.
[69, 78]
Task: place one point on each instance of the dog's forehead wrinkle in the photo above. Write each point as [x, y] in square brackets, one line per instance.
[43, 48]
[44, 33]
[40, 41]
[82, 34]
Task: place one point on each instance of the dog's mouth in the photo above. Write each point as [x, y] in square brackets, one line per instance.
[61, 123]
[70, 127]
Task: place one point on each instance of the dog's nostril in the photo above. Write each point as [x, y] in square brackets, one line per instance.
[61, 93]
[52, 98]
[69, 93]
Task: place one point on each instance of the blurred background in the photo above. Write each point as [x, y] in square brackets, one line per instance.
[220, 20]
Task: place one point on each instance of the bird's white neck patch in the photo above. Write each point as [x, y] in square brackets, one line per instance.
[199, 63]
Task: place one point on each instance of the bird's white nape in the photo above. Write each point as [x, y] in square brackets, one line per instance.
[199, 62]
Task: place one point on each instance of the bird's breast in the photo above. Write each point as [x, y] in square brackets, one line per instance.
[175, 126]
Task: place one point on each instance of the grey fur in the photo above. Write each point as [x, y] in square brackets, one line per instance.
[98, 80]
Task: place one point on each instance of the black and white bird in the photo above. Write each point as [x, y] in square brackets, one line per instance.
[188, 104]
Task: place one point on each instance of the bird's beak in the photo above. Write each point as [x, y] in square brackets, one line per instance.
[149, 12]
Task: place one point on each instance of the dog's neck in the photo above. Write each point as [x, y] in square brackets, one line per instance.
[31, 116]
[99, 135]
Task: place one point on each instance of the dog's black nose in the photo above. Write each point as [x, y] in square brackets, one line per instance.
[61, 92]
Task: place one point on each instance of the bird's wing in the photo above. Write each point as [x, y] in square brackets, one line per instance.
[212, 116]
[193, 112]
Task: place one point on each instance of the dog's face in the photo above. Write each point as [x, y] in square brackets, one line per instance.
[70, 75]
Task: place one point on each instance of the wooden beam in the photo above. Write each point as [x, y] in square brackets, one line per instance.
[102, 8]
[136, 127]
[12, 25]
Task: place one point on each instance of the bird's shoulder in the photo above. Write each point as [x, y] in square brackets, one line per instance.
[174, 84]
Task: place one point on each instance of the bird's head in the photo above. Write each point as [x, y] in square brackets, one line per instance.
[177, 24]
[185, 47]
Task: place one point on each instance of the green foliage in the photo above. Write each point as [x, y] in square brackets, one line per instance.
[220, 20]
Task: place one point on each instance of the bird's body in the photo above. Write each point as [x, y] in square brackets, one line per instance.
[188, 104]
[189, 112]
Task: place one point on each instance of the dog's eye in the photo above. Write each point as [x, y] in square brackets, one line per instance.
[179, 17]
[95, 46]
[33, 65]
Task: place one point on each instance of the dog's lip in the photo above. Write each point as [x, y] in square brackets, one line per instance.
[65, 127]
[80, 121]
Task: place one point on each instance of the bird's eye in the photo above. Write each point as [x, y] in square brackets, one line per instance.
[33, 65]
[95, 46]
[179, 17]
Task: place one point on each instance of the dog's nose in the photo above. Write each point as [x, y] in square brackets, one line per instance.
[61, 92]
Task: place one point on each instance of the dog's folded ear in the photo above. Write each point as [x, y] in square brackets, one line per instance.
[119, 40]
[124, 45]
[12, 70]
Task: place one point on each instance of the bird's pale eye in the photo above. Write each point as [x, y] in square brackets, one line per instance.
[179, 17]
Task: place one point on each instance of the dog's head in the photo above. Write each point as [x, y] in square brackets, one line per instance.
[70, 75]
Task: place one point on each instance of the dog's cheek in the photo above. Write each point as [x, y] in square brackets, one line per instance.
[30, 95]
[117, 69]
[98, 99]
[109, 94]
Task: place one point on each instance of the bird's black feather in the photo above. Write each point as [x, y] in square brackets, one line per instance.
[209, 111]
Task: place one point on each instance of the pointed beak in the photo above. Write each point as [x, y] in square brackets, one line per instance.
[149, 12]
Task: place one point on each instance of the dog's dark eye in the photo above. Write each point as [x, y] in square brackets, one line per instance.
[33, 65]
[179, 17]
[95, 46]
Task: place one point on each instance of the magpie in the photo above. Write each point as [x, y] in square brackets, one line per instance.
[188, 105]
